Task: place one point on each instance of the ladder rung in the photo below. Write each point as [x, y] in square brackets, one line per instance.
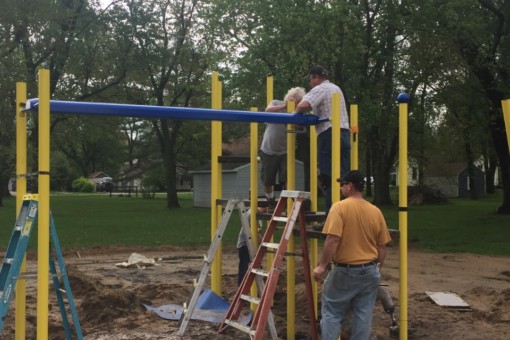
[8, 260]
[260, 272]
[26, 275]
[237, 325]
[18, 228]
[281, 219]
[249, 298]
[295, 194]
[270, 245]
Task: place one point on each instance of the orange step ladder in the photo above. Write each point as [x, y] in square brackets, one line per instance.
[255, 272]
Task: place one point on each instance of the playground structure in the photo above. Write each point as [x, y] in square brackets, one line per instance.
[43, 106]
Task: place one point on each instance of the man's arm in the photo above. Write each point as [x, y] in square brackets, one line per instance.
[276, 108]
[330, 247]
[381, 254]
[303, 106]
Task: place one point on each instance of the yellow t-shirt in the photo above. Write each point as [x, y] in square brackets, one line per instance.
[361, 228]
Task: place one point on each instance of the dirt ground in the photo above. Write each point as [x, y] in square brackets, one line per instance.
[109, 299]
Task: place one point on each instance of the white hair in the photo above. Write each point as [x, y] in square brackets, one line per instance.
[295, 93]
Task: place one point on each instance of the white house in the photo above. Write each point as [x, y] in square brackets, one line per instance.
[412, 173]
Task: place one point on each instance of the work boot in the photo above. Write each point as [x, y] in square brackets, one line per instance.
[271, 204]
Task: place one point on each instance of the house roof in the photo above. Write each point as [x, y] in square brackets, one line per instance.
[444, 169]
[98, 174]
[236, 147]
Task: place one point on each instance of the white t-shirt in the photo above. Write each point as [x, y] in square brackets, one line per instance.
[320, 99]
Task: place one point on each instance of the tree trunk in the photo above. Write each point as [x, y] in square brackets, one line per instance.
[498, 135]
[172, 201]
[4, 190]
[167, 136]
[490, 171]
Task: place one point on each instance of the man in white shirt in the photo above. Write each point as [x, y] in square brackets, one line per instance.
[319, 101]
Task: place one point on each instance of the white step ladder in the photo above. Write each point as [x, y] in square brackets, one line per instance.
[208, 259]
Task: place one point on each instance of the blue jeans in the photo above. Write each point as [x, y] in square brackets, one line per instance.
[342, 288]
[324, 158]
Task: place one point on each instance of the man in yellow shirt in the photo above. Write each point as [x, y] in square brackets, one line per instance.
[355, 247]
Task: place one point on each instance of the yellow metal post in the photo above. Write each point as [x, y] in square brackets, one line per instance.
[314, 247]
[43, 224]
[506, 116]
[335, 148]
[215, 181]
[269, 99]
[254, 143]
[403, 99]
[219, 188]
[354, 137]
[291, 261]
[269, 89]
[21, 189]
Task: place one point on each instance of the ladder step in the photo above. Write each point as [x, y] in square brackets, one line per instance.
[260, 272]
[249, 298]
[8, 260]
[237, 325]
[283, 219]
[295, 194]
[18, 228]
[270, 245]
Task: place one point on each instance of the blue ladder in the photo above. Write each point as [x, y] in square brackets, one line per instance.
[10, 271]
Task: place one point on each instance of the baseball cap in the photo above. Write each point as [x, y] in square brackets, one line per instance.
[353, 176]
[318, 70]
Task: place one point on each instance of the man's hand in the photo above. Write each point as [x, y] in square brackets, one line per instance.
[318, 273]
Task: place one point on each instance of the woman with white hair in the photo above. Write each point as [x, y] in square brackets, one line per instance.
[273, 150]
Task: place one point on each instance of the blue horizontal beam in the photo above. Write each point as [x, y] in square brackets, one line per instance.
[168, 112]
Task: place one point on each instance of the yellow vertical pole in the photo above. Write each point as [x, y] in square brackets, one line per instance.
[254, 143]
[335, 148]
[21, 189]
[291, 261]
[314, 244]
[219, 188]
[269, 99]
[354, 137]
[506, 116]
[215, 183]
[269, 89]
[43, 221]
[403, 99]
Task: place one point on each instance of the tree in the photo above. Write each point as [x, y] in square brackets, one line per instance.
[475, 33]
[173, 53]
[64, 36]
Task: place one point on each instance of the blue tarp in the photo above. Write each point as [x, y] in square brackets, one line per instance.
[210, 307]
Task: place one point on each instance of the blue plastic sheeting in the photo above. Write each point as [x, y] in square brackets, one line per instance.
[210, 307]
[169, 112]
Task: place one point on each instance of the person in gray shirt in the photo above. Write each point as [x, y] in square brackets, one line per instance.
[273, 150]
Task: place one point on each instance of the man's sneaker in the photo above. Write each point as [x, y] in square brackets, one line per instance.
[271, 203]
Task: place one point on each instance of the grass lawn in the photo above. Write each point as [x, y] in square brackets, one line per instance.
[83, 220]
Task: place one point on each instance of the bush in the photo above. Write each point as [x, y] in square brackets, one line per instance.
[82, 184]
[419, 195]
